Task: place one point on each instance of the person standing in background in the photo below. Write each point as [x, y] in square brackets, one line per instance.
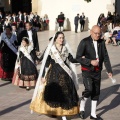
[45, 22]
[8, 54]
[32, 35]
[82, 22]
[20, 21]
[76, 19]
[25, 18]
[60, 20]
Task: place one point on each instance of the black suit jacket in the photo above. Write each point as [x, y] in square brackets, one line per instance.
[37, 18]
[76, 20]
[82, 19]
[1, 17]
[26, 19]
[22, 17]
[16, 19]
[34, 36]
[86, 48]
[61, 17]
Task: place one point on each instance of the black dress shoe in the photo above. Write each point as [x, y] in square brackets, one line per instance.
[98, 118]
[82, 115]
[53, 116]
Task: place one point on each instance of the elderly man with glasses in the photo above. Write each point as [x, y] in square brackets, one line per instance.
[95, 53]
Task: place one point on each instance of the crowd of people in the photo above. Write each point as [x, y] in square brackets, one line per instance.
[56, 83]
[110, 28]
[20, 19]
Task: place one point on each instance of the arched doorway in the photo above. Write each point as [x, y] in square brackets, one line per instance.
[21, 5]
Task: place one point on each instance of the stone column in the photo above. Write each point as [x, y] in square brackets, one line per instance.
[35, 5]
[39, 6]
[7, 5]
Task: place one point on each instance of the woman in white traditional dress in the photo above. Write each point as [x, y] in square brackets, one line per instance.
[55, 92]
[25, 70]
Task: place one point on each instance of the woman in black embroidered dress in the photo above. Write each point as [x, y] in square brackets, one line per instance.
[59, 96]
[7, 56]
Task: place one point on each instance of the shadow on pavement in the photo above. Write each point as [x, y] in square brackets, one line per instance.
[105, 93]
[113, 104]
[1, 85]
[12, 108]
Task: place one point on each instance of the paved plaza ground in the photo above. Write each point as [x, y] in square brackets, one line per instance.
[15, 101]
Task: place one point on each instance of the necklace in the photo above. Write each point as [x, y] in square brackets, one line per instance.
[59, 48]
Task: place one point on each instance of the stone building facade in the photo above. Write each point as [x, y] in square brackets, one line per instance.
[70, 8]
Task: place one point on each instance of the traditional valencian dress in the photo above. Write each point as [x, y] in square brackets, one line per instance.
[25, 74]
[8, 55]
[58, 95]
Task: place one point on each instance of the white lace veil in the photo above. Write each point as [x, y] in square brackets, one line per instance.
[39, 82]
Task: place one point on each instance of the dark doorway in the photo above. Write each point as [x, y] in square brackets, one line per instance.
[117, 6]
[21, 5]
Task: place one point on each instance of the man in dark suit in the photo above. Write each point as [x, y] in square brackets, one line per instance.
[25, 17]
[76, 19]
[1, 16]
[91, 54]
[36, 21]
[31, 34]
[14, 30]
[36, 17]
[82, 22]
[14, 19]
[60, 20]
[20, 21]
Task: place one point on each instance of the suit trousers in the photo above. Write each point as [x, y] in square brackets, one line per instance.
[82, 24]
[61, 24]
[76, 27]
[92, 82]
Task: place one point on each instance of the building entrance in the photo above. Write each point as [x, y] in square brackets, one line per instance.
[21, 5]
[117, 4]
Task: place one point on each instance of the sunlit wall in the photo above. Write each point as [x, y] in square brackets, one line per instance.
[71, 7]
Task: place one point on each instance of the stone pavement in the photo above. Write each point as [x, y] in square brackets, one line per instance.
[15, 101]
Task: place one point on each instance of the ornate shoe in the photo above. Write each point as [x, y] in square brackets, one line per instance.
[98, 118]
[82, 115]
[53, 116]
[27, 88]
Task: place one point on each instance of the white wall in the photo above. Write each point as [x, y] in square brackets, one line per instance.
[71, 7]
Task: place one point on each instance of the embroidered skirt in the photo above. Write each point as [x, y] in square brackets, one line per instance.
[4, 74]
[58, 96]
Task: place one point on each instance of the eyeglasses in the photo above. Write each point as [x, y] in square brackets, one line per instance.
[97, 33]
